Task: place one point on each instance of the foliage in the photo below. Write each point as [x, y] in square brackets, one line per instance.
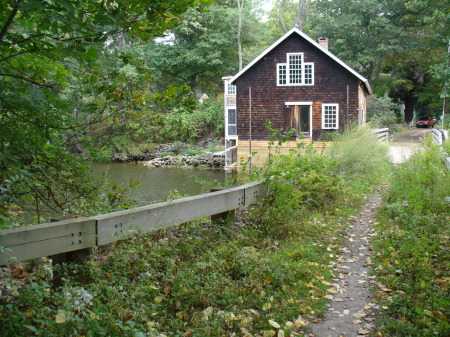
[361, 156]
[394, 44]
[381, 111]
[412, 256]
[304, 181]
[182, 125]
[59, 88]
[203, 47]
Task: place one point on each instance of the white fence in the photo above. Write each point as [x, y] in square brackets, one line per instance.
[382, 134]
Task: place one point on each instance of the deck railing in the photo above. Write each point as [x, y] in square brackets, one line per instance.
[79, 234]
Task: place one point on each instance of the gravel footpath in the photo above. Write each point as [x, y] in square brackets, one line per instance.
[351, 311]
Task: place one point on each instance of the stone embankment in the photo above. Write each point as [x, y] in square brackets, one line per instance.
[211, 160]
[177, 155]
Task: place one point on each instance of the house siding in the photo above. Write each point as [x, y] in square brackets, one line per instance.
[268, 100]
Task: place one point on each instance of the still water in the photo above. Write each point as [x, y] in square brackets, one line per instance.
[156, 183]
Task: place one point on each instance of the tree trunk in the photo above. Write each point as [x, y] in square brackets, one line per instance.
[302, 12]
[409, 108]
[280, 15]
[239, 32]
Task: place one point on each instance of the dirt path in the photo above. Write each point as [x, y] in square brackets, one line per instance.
[351, 311]
[406, 143]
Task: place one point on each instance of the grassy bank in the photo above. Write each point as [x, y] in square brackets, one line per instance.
[267, 275]
[412, 249]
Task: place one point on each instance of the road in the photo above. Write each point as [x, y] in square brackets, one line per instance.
[406, 143]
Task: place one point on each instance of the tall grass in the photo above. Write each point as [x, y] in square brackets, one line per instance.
[412, 249]
[360, 156]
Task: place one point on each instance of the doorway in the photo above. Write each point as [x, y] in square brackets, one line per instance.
[299, 118]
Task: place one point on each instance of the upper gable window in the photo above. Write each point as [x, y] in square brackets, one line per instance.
[295, 71]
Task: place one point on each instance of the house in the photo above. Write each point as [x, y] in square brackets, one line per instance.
[296, 84]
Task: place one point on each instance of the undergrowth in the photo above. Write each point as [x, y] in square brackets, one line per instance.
[267, 274]
[412, 249]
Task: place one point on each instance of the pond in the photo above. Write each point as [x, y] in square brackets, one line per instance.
[156, 183]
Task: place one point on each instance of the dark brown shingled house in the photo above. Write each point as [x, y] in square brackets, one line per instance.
[296, 84]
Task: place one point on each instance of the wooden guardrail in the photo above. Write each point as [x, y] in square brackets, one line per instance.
[382, 134]
[73, 235]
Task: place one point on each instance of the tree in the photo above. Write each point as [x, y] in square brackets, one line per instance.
[202, 48]
[392, 43]
[300, 17]
[46, 48]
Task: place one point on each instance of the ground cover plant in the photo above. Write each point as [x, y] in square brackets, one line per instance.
[267, 274]
[412, 249]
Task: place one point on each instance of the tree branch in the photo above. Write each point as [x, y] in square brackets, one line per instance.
[9, 21]
[28, 80]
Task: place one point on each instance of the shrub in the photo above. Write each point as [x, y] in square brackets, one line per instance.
[381, 111]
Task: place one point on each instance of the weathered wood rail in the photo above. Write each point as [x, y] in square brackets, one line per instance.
[382, 134]
[79, 234]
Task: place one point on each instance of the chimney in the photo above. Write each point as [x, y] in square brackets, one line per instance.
[323, 41]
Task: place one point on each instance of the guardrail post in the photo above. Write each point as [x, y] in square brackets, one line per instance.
[227, 217]
[79, 257]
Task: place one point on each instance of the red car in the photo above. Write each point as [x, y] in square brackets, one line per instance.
[425, 122]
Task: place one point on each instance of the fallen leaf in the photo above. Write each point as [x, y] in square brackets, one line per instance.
[245, 333]
[60, 317]
[346, 312]
[274, 324]
[359, 314]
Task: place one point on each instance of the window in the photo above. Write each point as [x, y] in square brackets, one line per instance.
[330, 116]
[231, 89]
[295, 68]
[309, 71]
[295, 71]
[231, 122]
[282, 79]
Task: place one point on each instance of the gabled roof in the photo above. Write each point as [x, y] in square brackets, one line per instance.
[314, 43]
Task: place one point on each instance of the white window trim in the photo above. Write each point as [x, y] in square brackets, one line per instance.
[337, 116]
[286, 64]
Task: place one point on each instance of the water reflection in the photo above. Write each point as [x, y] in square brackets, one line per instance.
[157, 183]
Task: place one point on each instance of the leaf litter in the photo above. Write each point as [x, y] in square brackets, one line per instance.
[351, 308]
